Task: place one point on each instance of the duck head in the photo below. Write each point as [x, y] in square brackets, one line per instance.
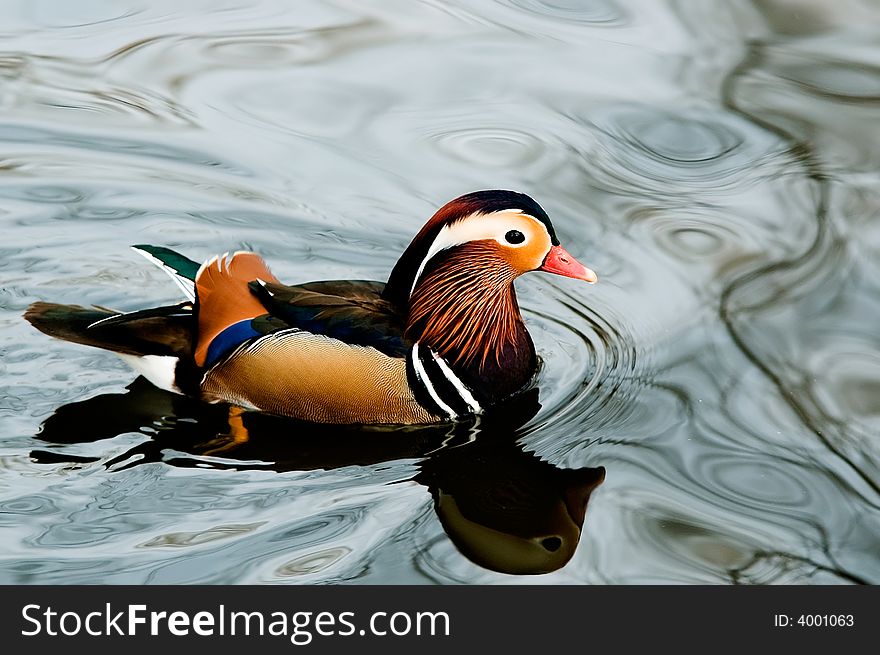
[505, 508]
[454, 283]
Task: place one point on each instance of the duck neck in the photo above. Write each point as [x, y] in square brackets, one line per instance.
[470, 316]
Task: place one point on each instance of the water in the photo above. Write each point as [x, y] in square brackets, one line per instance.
[715, 162]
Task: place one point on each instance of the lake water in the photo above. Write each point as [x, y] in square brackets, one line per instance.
[716, 396]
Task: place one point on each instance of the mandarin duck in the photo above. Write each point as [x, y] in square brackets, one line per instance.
[442, 340]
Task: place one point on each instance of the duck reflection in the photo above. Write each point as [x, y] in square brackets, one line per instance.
[504, 508]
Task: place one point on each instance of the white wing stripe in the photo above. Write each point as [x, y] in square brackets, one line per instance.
[187, 286]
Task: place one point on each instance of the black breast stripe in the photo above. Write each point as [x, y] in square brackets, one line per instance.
[432, 386]
[444, 388]
[420, 390]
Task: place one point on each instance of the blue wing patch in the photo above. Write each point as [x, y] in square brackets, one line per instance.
[230, 339]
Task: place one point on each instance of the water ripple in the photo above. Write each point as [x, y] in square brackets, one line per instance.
[490, 146]
[718, 173]
[838, 80]
[594, 11]
[758, 483]
[313, 563]
[689, 148]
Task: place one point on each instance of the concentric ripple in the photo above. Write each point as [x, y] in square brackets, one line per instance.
[837, 80]
[689, 147]
[490, 146]
[707, 166]
[848, 383]
[764, 483]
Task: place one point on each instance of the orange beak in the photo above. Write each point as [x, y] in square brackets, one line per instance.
[560, 262]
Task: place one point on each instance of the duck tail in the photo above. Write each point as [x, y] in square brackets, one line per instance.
[158, 331]
[66, 322]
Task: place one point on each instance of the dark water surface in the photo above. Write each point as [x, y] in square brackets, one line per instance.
[716, 163]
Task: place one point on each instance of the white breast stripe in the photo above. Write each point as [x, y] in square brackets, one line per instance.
[422, 377]
[463, 391]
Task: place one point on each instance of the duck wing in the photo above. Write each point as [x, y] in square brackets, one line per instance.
[352, 311]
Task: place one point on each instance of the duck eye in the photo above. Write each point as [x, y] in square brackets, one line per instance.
[514, 236]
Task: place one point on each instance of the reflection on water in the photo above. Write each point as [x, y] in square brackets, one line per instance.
[717, 164]
[504, 508]
[507, 510]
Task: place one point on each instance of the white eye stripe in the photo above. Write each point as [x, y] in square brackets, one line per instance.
[476, 227]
